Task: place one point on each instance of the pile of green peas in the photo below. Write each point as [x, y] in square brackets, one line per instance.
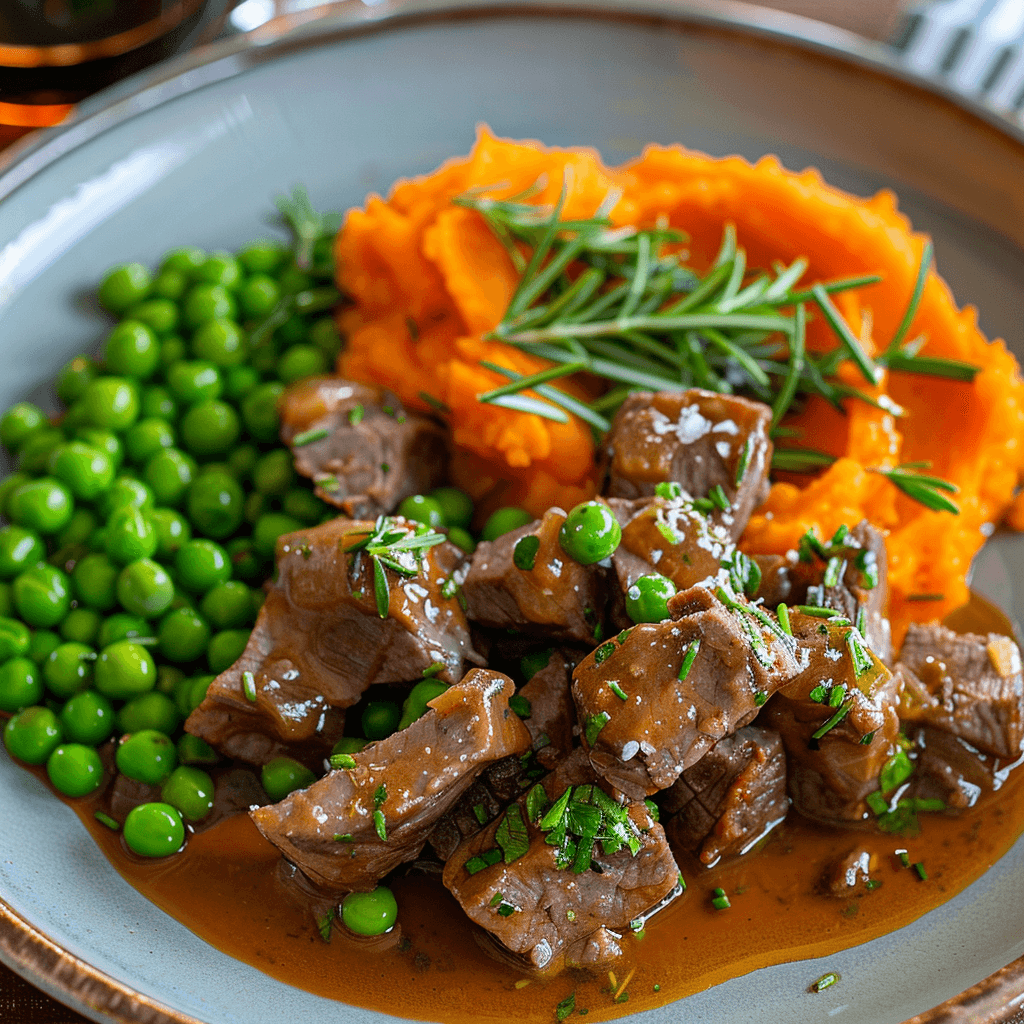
[143, 520]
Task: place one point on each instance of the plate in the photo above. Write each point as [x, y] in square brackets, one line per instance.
[194, 153]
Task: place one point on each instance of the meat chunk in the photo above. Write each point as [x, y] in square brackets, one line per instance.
[362, 449]
[838, 721]
[642, 724]
[968, 685]
[850, 875]
[732, 797]
[319, 642]
[350, 828]
[698, 439]
[547, 896]
[547, 594]
[552, 717]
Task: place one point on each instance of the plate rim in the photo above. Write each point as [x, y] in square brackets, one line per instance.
[24, 948]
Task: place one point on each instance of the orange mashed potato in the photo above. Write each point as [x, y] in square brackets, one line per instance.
[428, 281]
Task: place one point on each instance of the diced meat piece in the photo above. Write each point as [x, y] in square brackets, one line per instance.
[642, 724]
[552, 718]
[838, 721]
[698, 439]
[524, 891]
[350, 828]
[849, 876]
[362, 449]
[969, 685]
[732, 797]
[556, 598]
[319, 642]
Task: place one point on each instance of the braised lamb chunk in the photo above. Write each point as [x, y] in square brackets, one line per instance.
[319, 642]
[552, 713]
[838, 721]
[698, 439]
[735, 794]
[350, 828]
[546, 890]
[850, 875]
[361, 448]
[968, 685]
[540, 591]
[653, 700]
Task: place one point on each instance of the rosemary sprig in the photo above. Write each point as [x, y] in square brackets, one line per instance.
[306, 224]
[926, 490]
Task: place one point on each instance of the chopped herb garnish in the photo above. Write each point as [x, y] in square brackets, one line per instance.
[816, 611]
[926, 597]
[480, 813]
[324, 922]
[904, 858]
[688, 659]
[379, 798]
[618, 690]
[512, 834]
[926, 490]
[719, 498]
[760, 697]
[524, 554]
[819, 694]
[877, 802]
[783, 615]
[435, 403]
[484, 860]
[345, 837]
[921, 873]
[249, 686]
[652, 809]
[520, 705]
[843, 711]
[355, 415]
[595, 723]
[895, 771]
[106, 819]
[343, 761]
[309, 437]
[536, 802]
[867, 738]
[506, 909]
[669, 490]
[719, 900]
[859, 654]
[433, 669]
[565, 1007]
[825, 981]
[603, 653]
[744, 573]
[868, 566]
[495, 899]
[834, 571]
[871, 884]
[744, 460]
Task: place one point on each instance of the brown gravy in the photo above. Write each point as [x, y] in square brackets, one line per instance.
[225, 887]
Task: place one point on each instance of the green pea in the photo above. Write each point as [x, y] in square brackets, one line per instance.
[154, 830]
[228, 605]
[81, 526]
[262, 256]
[202, 564]
[73, 379]
[186, 260]
[210, 428]
[590, 533]
[173, 350]
[6, 599]
[124, 285]
[259, 411]
[256, 505]
[147, 438]
[370, 913]
[75, 769]
[293, 331]
[190, 790]
[456, 506]
[263, 358]
[44, 505]
[226, 648]
[157, 403]
[269, 528]
[273, 474]
[421, 509]
[20, 549]
[144, 588]
[300, 361]
[19, 423]
[81, 626]
[168, 474]
[194, 381]
[111, 403]
[42, 644]
[293, 280]
[324, 334]
[205, 302]
[85, 470]
[147, 756]
[284, 775]
[21, 684]
[42, 596]
[130, 536]
[183, 635]
[105, 441]
[170, 284]
[8, 486]
[122, 626]
[303, 505]
[258, 296]
[69, 670]
[221, 342]
[131, 350]
[239, 381]
[349, 745]
[245, 565]
[380, 718]
[153, 711]
[124, 670]
[33, 734]
[415, 705]
[95, 581]
[504, 520]
[190, 697]
[647, 599]
[88, 717]
[462, 539]
[220, 268]
[35, 454]
[172, 530]
[193, 750]
[159, 314]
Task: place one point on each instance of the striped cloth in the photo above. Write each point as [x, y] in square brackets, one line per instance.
[975, 46]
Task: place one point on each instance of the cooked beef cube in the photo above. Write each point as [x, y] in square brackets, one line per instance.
[319, 642]
[838, 721]
[698, 439]
[374, 453]
[734, 795]
[969, 685]
[556, 598]
[350, 828]
[642, 724]
[524, 891]
[849, 875]
[552, 718]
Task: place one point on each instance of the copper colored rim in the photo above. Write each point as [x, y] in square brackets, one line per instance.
[68, 54]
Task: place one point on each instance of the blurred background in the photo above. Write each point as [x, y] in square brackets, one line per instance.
[55, 53]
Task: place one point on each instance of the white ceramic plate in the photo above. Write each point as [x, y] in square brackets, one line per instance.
[194, 154]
